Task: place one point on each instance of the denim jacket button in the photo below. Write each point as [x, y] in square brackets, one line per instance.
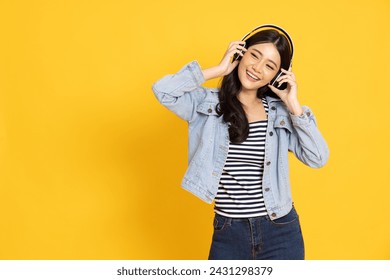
[271, 133]
[282, 123]
[268, 162]
[273, 215]
[273, 108]
[267, 189]
[210, 110]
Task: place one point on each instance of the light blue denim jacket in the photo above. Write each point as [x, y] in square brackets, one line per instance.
[183, 94]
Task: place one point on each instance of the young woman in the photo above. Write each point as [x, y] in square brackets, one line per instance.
[239, 139]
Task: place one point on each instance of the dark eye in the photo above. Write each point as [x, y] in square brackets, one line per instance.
[270, 67]
[254, 55]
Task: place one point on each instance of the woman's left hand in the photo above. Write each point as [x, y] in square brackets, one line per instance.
[289, 95]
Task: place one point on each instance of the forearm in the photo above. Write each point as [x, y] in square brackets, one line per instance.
[212, 73]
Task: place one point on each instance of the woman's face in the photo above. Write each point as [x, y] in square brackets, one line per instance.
[258, 66]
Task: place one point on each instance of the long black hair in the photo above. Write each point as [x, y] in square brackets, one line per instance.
[229, 106]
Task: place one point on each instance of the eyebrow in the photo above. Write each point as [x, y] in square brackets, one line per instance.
[268, 59]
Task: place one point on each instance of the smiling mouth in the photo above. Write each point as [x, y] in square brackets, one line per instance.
[252, 76]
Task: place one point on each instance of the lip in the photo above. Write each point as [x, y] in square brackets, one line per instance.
[250, 78]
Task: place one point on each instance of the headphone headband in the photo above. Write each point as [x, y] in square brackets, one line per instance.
[271, 27]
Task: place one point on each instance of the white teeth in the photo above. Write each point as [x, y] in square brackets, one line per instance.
[252, 76]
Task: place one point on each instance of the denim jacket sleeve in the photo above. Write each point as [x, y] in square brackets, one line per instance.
[307, 143]
[181, 92]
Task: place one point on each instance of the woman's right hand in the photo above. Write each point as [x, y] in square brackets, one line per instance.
[226, 65]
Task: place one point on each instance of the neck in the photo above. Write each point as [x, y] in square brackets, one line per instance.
[248, 97]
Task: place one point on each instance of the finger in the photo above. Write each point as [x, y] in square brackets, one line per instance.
[235, 51]
[241, 48]
[239, 43]
[231, 54]
[278, 92]
[285, 77]
[287, 72]
[234, 64]
[287, 80]
[237, 47]
[235, 43]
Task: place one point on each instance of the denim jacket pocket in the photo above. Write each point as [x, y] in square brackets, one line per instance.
[207, 108]
[283, 122]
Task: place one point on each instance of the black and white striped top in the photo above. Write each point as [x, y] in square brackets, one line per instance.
[240, 192]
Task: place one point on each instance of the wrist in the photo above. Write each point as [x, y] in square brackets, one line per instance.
[295, 108]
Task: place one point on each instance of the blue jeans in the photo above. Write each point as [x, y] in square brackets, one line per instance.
[258, 238]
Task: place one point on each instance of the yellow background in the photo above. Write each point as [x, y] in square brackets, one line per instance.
[91, 163]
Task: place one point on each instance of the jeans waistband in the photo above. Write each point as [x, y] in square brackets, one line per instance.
[265, 217]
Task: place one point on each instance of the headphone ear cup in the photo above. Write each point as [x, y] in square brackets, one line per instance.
[237, 56]
[274, 83]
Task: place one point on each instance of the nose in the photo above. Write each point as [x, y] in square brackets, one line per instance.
[257, 67]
